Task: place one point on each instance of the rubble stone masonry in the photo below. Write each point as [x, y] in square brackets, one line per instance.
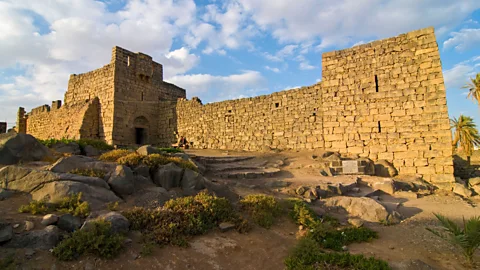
[382, 100]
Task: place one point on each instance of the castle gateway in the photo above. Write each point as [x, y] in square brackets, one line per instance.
[381, 100]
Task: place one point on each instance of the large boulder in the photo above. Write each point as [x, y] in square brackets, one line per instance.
[384, 168]
[68, 164]
[40, 239]
[153, 197]
[386, 185]
[69, 223]
[91, 151]
[168, 176]
[121, 180]
[365, 208]
[461, 190]
[53, 186]
[192, 182]
[147, 150]
[6, 232]
[119, 223]
[16, 147]
[67, 148]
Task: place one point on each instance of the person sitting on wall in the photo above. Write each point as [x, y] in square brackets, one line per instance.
[183, 143]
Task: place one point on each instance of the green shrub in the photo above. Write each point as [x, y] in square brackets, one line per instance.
[155, 160]
[35, 208]
[180, 218]
[71, 204]
[171, 150]
[89, 172]
[307, 255]
[331, 238]
[8, 263]
[466, 237]
[98, 240]
[112, 206]
[303, 215]
[131, 160]
[262, 208]
[114, 155]
[101, 145]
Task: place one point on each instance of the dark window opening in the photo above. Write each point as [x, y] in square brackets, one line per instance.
[379, 127]
[229, 111]
[335, 94]
[277, 104]
[314, 114]
[170, 121]
[363, 90]
[139, 135]
[376, 83]
[142, 96]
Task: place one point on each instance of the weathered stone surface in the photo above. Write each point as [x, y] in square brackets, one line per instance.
[226, 226]
[118, 222]
[91, 151]
[6, 232]
[29, 225]
[168, 176]
[142, 170]
[5, 194]
[68, 164]
[301, 190]
[121, 181]
[461, 190]
[21, 147]
[364, 208]
[386, 185]
[384, 168]
[147, 150]
[70, 148]
[49, 219]
[476, 188]
[192, 181]
[356, 222]
[153, 197]
[474, 181]
[40, 239]
[53, 186]
[69, 223]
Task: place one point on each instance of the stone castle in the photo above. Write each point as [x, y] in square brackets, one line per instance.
[381, 100]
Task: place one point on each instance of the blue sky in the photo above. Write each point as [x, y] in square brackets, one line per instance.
[219, 49]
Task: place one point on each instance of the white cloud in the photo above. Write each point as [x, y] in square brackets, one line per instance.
[305, 66]
[78, 37]
[351, 20]
[464, 39]
[217, 88]
[222, 27]
[460, 74]
[281, 54]
[274, 69]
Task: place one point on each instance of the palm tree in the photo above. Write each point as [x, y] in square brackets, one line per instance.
[466, 133]
[466, 237]
[473, 88]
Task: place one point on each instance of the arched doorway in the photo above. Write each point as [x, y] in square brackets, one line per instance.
[141, 126]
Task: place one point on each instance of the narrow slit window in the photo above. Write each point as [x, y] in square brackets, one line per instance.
[379, 127]
[376, 83]
[142, 96]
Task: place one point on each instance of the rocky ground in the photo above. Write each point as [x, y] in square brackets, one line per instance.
[399, 209]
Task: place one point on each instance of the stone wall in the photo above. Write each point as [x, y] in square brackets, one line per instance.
[284, 120]
[82, 121]
[97, 83]
[386, 100]
[382, 100]
[139, 91]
